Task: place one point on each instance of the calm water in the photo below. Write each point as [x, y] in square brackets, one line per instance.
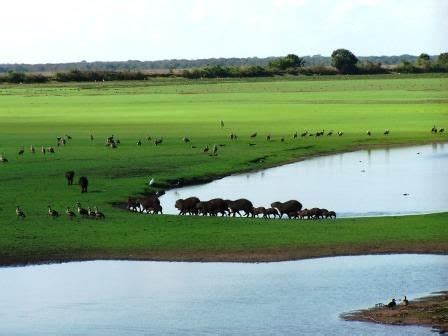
[160, 298]
[361, 183]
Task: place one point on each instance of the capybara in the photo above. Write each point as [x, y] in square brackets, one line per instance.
[83, 182]
[150, 204]
[272, 211]
[69, 176]
[287, 207]
[259, 211]
[187, 205]
[241, 204]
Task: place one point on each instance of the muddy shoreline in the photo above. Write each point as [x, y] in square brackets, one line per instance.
[430, 311]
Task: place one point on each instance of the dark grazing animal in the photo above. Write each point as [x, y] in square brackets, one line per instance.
[293, 214]
[253, 135]
[386, 132]
[151, 204]
[330, 214]
[315, 213]
[241, 204]
[441, 130]
[212, 207]
[84, 183]
[187, 205]
[133, 204]
[303, 213]
[287, 207]
[158, 141]
[259, 211]
[69, 176]
[272, 211]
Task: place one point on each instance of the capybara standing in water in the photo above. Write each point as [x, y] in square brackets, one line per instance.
[187, 205]
[69, 176]
[83, 182]
[287, 207]
[241, 204]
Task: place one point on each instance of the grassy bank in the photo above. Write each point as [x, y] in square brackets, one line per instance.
[215, 239]
[35, 115]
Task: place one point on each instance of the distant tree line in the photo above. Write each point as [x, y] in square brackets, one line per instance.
[342, 61]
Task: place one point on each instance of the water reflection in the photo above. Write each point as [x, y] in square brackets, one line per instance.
[362, 183]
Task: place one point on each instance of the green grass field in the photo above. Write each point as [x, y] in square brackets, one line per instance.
[36, 114]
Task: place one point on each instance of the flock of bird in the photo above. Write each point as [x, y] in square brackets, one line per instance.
[113, 142]
[83, 213]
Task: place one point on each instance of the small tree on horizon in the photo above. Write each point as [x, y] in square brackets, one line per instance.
[344, 60]
[287, 62]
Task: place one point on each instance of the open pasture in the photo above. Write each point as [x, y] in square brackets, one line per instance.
[37, 114]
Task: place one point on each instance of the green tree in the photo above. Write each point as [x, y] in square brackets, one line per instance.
[443, 59]
[344, 60]
[423, 60]
[287, 62]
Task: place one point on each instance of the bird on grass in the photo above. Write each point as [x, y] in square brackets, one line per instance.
[215, 150]
[81, 211]
[3, 159]
[98, 214]
[386, 132]
[205, 150]
[21, 151]
[253, 135]
[185, 140]
[369, 133]
[70, 213]
[151, 181]
[52, 213]
[20, 213]
[222, 124]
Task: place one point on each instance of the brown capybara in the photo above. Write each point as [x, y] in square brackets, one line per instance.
[187, 205]
[293, 214]
[314, 213]
[133, 204]
[241, 204]
[69, 176]
[272, 211]
[330, 214]
[259, 211]
[212, 207]
[84, 183]
[150, 204]
[303, 213]
[287, 207]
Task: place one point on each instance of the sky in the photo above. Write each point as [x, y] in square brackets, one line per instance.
[55, 31]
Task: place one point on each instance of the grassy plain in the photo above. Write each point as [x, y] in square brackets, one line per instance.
[36, 114]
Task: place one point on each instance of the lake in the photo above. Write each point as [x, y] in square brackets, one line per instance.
[377, 182]
[170, 298]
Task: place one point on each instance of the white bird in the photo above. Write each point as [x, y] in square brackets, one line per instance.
[151, 181]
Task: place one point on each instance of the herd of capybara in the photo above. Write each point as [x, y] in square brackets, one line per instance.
[219, 206]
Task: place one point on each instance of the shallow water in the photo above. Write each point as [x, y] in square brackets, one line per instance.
[161, 298]
[361, 183]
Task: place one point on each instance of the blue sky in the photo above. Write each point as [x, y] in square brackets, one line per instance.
[62, 31]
